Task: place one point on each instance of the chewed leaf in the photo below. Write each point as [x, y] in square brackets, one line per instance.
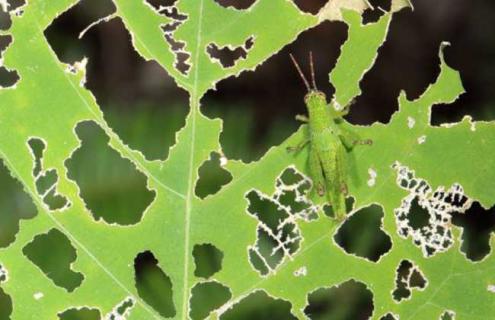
[97, 224]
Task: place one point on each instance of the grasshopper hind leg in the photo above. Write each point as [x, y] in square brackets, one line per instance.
[316, 172]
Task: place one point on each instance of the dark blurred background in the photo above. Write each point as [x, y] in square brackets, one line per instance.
[146, 108]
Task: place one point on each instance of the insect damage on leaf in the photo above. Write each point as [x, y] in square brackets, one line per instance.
[8, 76]
[390, 316]
[123, 310]
[46, 180]
[362, 234]
[207, 297]
[176, 35]
[5, 305]
[408, 277]
[478, 226]
[145, 112]
[323, 303]
[178, 47]
[62, 251]
[208, 260]
[236, 4]
[80, 313]
[4, 274]
[256, 304]
[17, 206]
[279, 236]
[212, 176]
[425, 214]
[153, 284]
[228, 55]
[447, 315]
[96, 166]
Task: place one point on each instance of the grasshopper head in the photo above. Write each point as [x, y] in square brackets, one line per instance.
[314, 100]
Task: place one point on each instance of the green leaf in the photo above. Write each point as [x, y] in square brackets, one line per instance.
[49, 102]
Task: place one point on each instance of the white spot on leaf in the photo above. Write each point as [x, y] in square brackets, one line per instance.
[303, 271]
[422, 139]
[372, 179]
[4, 274]
[223, 161]
[38, 295]
[411, 122]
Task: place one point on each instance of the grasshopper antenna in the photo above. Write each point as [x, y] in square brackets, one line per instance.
[312, 69]
[306, 83]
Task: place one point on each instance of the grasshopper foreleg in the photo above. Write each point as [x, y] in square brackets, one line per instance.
[298, 147]
[302, 118]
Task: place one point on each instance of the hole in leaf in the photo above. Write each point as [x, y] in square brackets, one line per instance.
[471, 53]
[8, 78]
[5, 20]
[63, 33]
[37, 147]
[178, 47]
[3, 274]
[228, 56]
[140, 101]
[278, 236]
[310, 6]
[55, 201]
[268, 99]
[448, 315]
[14, 4]
[440, 204]
[412, 49]
[419, 217]
[374, 14]
[258, 262]
[212, 177]
[111, 186]
[46, 180]
[208, 260]
[157, 4]
[15, 204]
[5, 305]
[349, 300]
[56, 265]
[153, 285]
[237, 4]
[122, 310]
[389, 316]
[407, 51]
[259, 306]
[362, 235]
[271, 216]
[207, 297]
[408, 277]
[80, 314]
[478, 225]
[5, 41]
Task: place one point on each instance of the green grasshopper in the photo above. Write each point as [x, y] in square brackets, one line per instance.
[329, 142]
